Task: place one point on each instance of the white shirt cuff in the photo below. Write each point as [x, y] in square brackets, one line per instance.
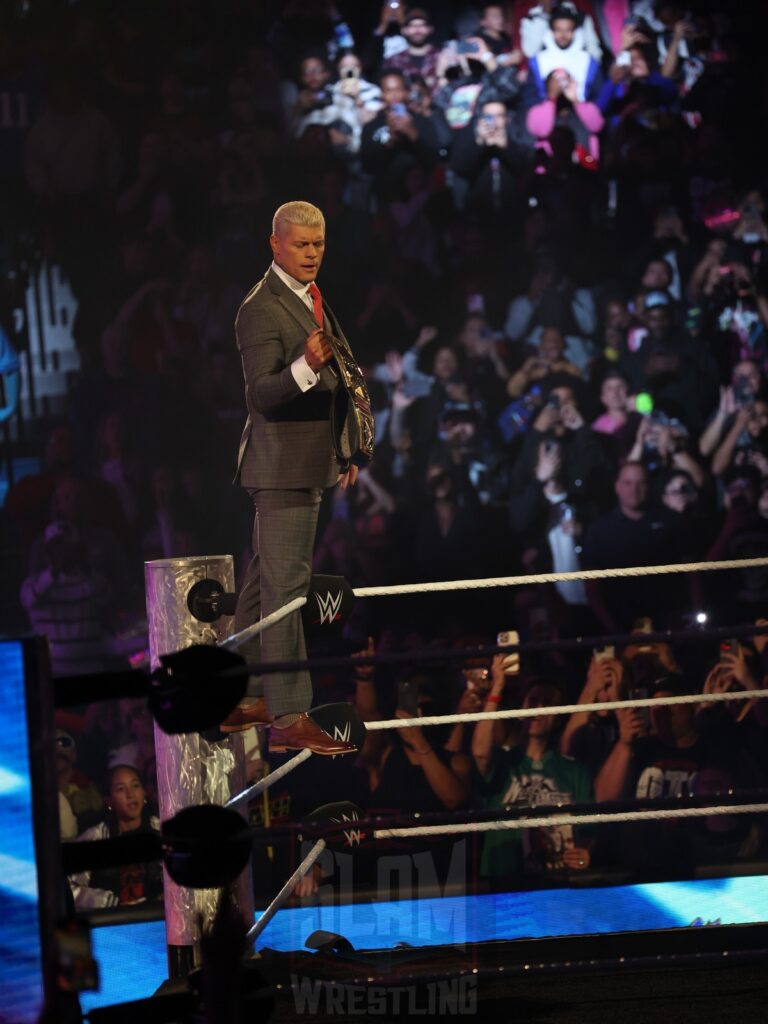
[305, 377]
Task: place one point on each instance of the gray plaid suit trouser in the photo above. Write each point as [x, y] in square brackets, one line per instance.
[283, 538]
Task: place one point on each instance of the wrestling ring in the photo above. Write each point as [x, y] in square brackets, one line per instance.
[480, 951]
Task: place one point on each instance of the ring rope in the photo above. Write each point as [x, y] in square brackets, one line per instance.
[431, 654]
[565, 709]
[238, 639]
[256, 929]
[567, 819]
[559, 577]
[484, 716]
[264, 784]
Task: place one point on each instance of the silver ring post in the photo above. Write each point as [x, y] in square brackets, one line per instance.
[191, 770]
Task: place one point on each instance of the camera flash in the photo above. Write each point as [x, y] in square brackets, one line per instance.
[701, 618]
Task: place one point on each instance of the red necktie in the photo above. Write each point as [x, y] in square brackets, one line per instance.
[317, 302]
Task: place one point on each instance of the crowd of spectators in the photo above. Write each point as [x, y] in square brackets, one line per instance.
[547, 244]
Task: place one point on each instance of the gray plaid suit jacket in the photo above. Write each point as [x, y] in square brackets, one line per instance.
[286, 442]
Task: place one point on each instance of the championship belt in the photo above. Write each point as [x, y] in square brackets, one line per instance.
[351, 416]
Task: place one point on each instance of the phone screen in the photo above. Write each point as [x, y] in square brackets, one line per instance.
[408, 698]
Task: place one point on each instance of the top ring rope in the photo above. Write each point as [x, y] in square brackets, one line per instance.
[559, 577]
[566, 709]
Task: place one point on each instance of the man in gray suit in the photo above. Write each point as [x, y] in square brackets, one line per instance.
[286, 459]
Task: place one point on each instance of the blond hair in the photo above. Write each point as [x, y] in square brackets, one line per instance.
[303, 214]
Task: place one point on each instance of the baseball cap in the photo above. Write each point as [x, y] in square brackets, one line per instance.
[417, 14]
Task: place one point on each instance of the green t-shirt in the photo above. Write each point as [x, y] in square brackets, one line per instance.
[514, 778]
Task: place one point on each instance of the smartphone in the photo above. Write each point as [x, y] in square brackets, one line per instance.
[350, 73]
[604, 653]
[511, 662]
[644, 714]
[408, 697]
[465, 47]
[730, 647]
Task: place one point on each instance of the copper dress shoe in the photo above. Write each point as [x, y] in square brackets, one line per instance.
[245, 716]
[305, 734]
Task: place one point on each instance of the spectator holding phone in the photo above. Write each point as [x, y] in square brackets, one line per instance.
[746, 443]
[745, 385]
[397, 139]
[580, 450]
[356, 100]
[589, 736]
[532, 774]
[662, 757]
[409, 768]
[561, 108]
[663, 443]
[491, 156]
[468, 74]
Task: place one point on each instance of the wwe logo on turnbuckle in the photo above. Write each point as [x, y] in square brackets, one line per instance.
[352, 837]
[329, 606]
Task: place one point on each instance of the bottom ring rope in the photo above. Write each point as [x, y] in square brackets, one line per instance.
[567, 819]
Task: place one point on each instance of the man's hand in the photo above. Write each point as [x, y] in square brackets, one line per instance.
[317, 351]
[364, 673]
[576, 858]
[549, 462]
[571, 92]
[632, 726]
[412, 736]
[469, 703]
[547, 418]
[348, 477]
[426, 334]
[402, 124]
[736, 667]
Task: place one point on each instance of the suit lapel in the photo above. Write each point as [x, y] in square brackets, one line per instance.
[334, 325]
[291, 302]
[300, 311]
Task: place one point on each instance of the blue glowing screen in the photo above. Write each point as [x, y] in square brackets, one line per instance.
[22, 982]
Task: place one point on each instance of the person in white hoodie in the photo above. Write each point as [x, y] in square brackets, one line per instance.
[564, 48]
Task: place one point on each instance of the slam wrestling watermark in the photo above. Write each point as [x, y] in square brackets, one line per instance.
[450, 997]
[419, 899]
